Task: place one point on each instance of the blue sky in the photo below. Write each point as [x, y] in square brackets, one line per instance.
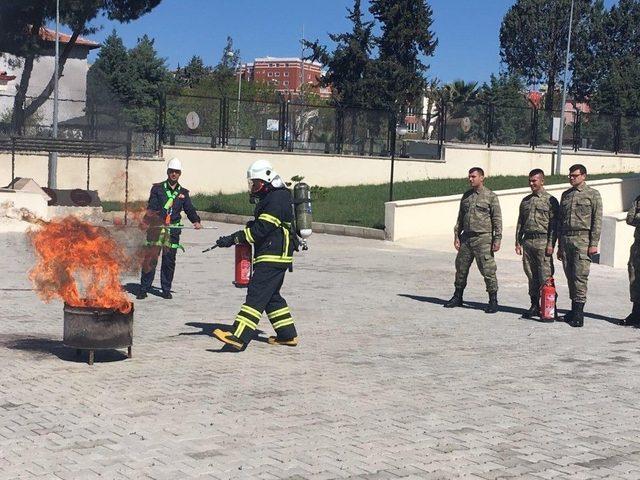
[467, 30]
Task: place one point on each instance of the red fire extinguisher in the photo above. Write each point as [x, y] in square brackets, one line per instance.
[548, 300]
[243, 265]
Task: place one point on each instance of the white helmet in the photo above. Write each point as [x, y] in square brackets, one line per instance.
[261, 170]
[174, 164]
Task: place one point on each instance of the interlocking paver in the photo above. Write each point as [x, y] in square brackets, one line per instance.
[385, 383]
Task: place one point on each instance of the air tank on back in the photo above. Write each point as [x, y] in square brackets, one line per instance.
[302, 202]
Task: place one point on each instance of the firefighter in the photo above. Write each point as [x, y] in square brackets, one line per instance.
[274, 242]
[536, 237]
[166, 201]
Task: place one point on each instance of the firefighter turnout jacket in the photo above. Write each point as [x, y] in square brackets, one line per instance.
[271, 232]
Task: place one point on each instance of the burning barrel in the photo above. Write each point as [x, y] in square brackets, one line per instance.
[93, 328]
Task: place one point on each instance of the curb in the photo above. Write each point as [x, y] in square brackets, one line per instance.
[317, 227]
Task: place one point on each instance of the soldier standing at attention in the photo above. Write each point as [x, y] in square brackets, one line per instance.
[536, 237]
[579, 228]
[633, 219]
[477, 235]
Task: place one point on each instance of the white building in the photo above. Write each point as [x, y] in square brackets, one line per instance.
[72, 84]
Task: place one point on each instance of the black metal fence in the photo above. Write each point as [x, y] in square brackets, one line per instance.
[264, 125]
[79, 120]
[292, 125]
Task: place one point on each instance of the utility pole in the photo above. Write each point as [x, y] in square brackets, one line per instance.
[53, 156]
[564, 95]
[302, 66]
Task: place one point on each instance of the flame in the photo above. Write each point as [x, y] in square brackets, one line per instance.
[72, 252]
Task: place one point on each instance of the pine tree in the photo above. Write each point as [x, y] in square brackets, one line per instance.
[406, 36]
[349, 65]
[533, 39]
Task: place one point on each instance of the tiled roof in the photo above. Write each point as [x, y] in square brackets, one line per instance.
[49, 35]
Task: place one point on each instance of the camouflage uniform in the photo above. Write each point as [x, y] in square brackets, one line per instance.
[536, 230]
[479, 225]
[633, 219]
[579, 227]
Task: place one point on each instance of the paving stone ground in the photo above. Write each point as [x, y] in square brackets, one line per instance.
[385, 383]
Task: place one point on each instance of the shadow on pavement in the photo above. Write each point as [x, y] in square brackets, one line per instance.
[502, 308]
[134, 289]
[208, 328]
[48, 346]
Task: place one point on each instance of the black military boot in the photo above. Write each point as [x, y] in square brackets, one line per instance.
[456, 300]
[534, 309]
[493, 303]
[633, 319]
[577, 314]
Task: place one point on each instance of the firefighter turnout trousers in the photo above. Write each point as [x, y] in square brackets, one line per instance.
[264, 295]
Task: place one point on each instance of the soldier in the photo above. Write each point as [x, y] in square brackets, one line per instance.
[579, 228]
[536, 237]
[477, 235]
[633, 219]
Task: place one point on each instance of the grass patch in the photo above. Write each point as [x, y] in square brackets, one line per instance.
[363, 205]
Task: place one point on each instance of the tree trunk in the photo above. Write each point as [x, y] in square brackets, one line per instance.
[21, 112]
[551, 87]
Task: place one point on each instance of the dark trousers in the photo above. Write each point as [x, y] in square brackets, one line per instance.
[264, 295]
[167, 269]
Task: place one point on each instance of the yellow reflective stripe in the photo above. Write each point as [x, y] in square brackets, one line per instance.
[247, 234]
[239, 330]
[273, 258]
[285, 250]
[279, 312]
[269, 218]
[245, 321]
[283, 323]
[251, 311]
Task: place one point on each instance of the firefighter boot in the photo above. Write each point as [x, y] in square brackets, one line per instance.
[577, 315]
[493, 303]
[534, 309]
[633, 319]
[456, 300]
[290, 342]
[228, 338]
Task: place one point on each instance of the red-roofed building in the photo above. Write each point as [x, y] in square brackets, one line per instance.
[286, 74]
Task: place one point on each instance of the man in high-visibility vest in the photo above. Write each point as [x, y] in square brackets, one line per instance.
[166, 201]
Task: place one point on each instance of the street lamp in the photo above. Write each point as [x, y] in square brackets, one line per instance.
[53, 156]
[564, 93]
[230, 55]
[401, 131]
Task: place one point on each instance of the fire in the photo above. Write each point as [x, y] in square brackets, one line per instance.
[80, 263]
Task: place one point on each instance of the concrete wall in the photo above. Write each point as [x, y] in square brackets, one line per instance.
[219, 170]
[437, 216]
[616, 240]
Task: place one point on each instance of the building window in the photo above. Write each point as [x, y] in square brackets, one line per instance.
[270, 74]
[285, 83]
[271, 65]
[285, 74]
[277, 74]
[412, 127]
